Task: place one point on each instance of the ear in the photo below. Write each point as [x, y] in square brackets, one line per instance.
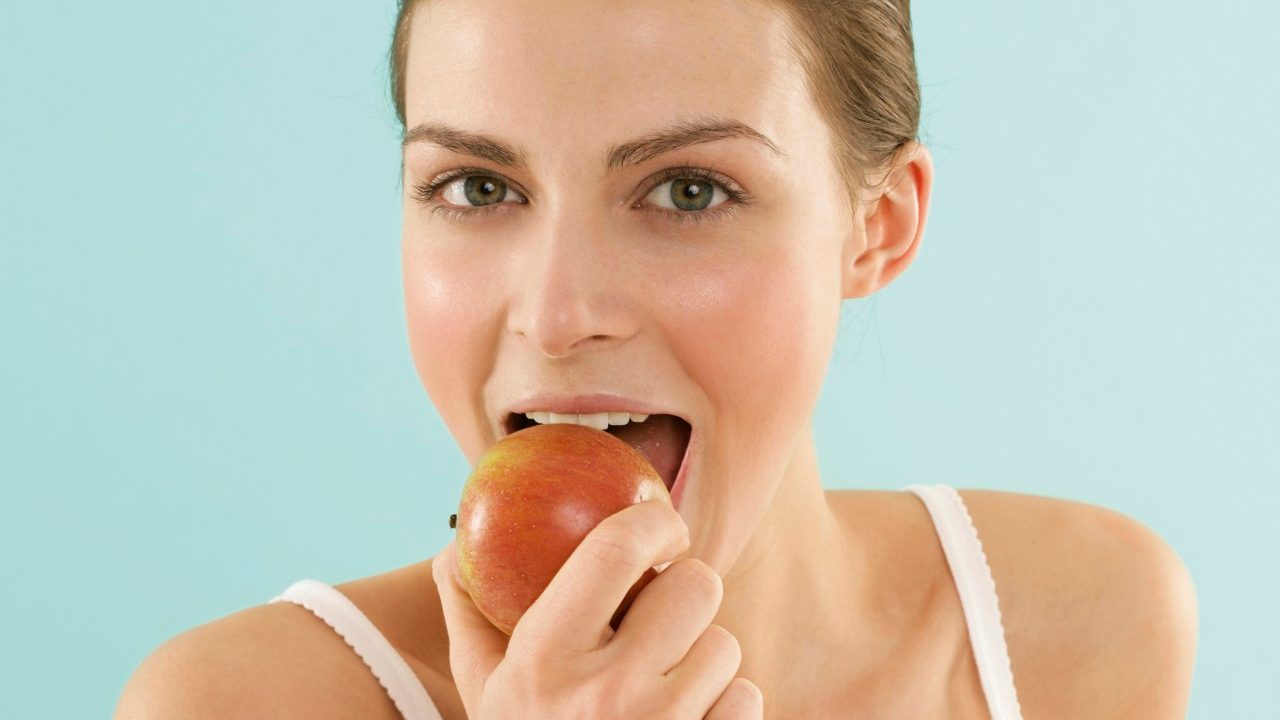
[885, 240]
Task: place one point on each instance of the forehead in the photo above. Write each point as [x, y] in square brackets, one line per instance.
[550, 72]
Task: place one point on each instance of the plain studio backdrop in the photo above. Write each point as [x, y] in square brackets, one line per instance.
[206, 390]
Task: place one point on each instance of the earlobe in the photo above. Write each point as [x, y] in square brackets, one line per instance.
[887, 236]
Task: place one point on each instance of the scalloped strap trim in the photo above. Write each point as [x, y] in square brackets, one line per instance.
[977, 589]
[393, 673]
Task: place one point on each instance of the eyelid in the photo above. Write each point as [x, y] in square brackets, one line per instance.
[426, 192]
[732, 189]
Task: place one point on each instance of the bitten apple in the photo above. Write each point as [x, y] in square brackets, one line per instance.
[530, 501]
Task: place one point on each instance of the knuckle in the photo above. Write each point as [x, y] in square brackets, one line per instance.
[671, 706]
[611, 698]
[615, 543]
[700, 579]
[677, 524]
[723, 643]
[531, 646]
[752, 696]
[533, 671]
[660, 519]
[743, 699]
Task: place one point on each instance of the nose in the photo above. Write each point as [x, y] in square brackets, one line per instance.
[568, 291]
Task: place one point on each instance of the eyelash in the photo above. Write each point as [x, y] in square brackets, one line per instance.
[426, 192]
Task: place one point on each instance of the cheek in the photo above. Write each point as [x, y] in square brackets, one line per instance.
[446, 317]
[755, 333]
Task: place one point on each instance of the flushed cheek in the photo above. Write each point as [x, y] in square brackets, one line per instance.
[446, 317]
[752, 333]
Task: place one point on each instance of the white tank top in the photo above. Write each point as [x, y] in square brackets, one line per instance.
[951, 519]
[977, 588]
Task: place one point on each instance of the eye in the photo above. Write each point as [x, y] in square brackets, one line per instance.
[683, 194]
[692, 194]
[687, 194]
[469, 192]
[476, 191]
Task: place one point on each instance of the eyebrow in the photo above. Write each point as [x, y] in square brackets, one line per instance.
[673, 137]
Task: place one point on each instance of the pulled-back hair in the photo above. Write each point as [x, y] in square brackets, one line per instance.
[859, 61]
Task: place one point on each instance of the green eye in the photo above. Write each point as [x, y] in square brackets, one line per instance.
[477, 191]
[483, 191]
[689, 194]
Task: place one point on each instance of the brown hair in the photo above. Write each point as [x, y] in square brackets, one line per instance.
[859, 59]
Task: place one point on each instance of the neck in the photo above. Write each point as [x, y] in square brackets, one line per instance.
[796, 595]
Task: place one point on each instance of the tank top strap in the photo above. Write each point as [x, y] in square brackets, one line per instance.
[391, 670]
[977, 588]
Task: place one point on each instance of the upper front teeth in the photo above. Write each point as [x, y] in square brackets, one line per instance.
[599, 421]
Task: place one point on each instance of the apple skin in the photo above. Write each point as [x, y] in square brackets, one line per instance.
[529, 502]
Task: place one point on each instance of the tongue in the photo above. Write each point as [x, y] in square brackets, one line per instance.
[661, 439]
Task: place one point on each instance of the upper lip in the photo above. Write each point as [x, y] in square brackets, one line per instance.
[595, 402]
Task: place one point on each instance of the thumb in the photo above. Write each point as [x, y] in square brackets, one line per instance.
[475, 645]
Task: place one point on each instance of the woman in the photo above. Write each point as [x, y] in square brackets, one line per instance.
[658, 208]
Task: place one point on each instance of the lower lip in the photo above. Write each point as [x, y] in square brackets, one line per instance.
[677, 487]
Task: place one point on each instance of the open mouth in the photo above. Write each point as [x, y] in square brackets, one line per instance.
[662, 439]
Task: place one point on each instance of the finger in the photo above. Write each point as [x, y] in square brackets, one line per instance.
[706, 671]
[669, 615]
[475, 645]
[742, 700]
[572, 614]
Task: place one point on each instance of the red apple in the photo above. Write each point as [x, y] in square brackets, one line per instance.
[528, 503]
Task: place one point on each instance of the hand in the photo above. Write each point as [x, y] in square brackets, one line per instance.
[564, 661]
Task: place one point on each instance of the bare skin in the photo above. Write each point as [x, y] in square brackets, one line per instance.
[584, 280]
[1098, 614]
[924, 668]
[1050, 559]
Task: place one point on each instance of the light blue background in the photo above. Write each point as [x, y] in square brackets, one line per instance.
[208, 392]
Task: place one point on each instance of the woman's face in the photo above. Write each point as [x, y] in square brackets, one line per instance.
[575, 275]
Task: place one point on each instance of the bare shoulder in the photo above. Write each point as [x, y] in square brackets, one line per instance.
[1100, 613]
[268, 661]
[280, 660]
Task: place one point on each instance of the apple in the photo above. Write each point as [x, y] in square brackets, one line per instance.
[529, 502]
